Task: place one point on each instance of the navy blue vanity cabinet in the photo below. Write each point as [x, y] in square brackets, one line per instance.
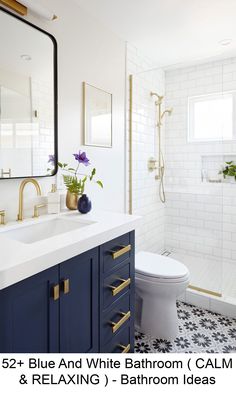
[79, 304]
[117, 295]
[82, 305]
[53, 311]
[29, 315]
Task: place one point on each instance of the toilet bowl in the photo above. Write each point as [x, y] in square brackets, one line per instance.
[159, 280]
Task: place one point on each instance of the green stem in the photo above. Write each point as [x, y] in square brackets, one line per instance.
[77, 169]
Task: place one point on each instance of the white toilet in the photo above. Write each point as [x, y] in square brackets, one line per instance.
[159, 281]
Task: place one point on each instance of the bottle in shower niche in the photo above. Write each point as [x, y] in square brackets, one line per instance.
[54, 200]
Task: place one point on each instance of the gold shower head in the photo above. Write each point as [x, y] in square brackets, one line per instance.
[160, 98]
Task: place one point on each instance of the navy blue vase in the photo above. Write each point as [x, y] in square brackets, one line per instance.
[84, 204]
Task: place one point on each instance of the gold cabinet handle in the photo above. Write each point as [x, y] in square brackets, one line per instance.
[117, 325]
[123, 285]
[56, 292]
[66, 286]
[122, 251]
[125, 349]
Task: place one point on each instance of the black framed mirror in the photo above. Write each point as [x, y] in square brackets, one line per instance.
[28, 99]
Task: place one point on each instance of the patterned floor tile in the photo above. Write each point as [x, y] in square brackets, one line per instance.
[200, 331]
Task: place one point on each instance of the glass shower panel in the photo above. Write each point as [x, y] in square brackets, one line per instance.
[145, 198]
[188, 226]
[193, 211]
[229, 190]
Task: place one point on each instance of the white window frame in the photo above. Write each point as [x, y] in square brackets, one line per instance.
[192, 100]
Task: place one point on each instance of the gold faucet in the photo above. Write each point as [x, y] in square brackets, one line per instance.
[21, 192]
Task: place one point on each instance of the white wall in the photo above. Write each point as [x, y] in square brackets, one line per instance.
[146, 202]
[87, 51]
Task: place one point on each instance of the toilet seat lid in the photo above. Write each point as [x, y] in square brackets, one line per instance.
[159, 266]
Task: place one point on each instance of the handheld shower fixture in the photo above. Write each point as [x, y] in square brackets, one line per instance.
[168, 111]
[161, 164]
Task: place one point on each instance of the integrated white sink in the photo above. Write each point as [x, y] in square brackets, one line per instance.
[36, 232]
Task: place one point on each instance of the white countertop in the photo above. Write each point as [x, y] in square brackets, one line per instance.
[19, 260]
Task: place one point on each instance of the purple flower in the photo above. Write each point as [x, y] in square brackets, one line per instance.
[51, 159]
[82, 158]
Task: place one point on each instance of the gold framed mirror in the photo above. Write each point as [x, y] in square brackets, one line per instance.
[97, 116]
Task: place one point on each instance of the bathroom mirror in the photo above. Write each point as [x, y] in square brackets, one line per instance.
[97, 116]
[28, 99]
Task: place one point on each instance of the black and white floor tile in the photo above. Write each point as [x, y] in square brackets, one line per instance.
[200, 331]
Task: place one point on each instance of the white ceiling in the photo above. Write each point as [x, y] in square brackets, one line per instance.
[170, 31]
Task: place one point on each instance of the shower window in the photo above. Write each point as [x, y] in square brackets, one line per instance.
[211, 117]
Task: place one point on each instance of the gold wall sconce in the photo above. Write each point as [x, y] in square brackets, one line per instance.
[15, 6]
[22, 8]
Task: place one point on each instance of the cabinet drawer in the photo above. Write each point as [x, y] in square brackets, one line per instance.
[121, 343]
[115, 252]
[116, 319]
[116, 284]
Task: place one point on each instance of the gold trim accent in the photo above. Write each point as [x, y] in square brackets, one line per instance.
[84, 108]
[66, 286]
[206, 291]
[124, 284]
[131, 144]
[117, 325]
[158, 103]
[21, 193]
[122, 251]
[2, 217]
[84, 84]
[15, 6]
[125, 349]
[56, 292]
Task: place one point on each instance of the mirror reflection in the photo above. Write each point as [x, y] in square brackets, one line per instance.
[27, 104]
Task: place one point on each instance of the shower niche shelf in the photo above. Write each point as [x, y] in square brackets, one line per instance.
[211, 164]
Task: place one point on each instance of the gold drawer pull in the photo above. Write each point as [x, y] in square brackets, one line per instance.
[117, 325]
[56, 292]
[122, 251]
[125, 349]
[123, 285]
[66, 286]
